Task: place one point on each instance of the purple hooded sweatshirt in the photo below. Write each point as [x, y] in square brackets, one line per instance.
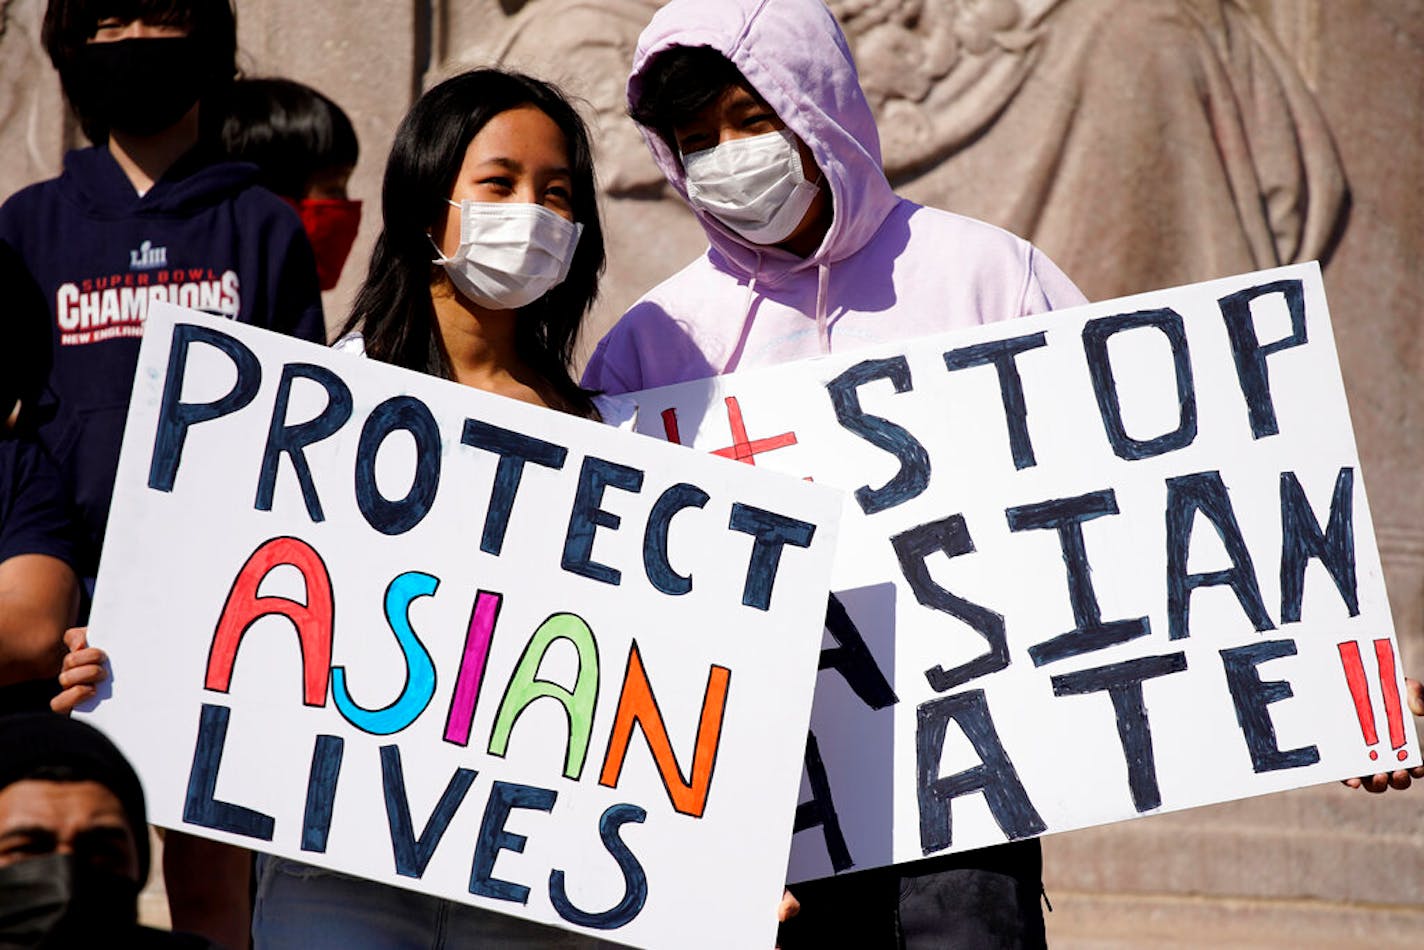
[887, 268]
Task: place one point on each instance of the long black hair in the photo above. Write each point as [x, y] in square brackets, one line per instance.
[393, 310]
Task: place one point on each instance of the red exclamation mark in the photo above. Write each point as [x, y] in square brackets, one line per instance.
[1389, 685]
[1360, 692]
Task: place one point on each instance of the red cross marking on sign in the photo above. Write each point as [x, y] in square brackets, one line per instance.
[743, 449]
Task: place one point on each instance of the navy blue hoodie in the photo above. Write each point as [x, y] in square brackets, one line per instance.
[34, 519]
[204, 236]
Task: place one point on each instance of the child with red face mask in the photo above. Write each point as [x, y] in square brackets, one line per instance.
[305, 149]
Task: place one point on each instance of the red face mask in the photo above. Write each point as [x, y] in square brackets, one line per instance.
[331, 225]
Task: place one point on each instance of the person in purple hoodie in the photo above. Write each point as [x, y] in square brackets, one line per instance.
[150, 212]
[753, 110]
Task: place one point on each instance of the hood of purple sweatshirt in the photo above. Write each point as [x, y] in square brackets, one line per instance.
[796, 57]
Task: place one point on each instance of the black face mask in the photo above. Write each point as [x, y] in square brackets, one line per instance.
[140, 86]
[53, 902]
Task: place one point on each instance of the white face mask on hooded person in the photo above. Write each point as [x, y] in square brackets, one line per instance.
[510, 253]
[753, 185]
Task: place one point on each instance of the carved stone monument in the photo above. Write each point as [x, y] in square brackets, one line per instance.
[1141, 144]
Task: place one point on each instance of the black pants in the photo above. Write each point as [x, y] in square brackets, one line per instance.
[978, 899]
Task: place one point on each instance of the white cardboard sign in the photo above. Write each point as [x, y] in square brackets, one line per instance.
[1095, 564]
[390, 625]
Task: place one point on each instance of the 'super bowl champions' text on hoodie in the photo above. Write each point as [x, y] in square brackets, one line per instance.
[887, 269]
[204, 236]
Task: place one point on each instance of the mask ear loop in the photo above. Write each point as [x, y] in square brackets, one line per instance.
[440, 255]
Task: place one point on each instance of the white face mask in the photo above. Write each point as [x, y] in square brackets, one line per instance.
[753, 185]
[510, 253]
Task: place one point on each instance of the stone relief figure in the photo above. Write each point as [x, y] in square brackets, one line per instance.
[587, 45]
[937, 73]
[32, 110]
[1141, 143]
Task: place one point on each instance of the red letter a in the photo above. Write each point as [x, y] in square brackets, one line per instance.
[313, 619]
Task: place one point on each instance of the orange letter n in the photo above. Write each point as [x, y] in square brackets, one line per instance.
[637, 705]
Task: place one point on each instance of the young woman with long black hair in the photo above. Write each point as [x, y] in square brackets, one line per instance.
[492, 247]
[488, 260]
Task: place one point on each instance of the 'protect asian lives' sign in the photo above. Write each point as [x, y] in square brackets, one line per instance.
[1094, 564]
[386, 624]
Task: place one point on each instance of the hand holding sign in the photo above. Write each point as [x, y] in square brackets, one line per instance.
[1402, 778]
[83, 670]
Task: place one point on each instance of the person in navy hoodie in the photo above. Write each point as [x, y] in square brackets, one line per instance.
[151, 212]
[39, 593]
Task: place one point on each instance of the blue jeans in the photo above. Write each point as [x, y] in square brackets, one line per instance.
[308, 908]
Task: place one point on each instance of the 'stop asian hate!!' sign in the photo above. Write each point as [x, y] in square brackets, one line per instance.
[1094, 564]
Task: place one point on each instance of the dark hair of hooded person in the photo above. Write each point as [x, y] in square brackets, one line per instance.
[679, 83]
[393, 310]
[289, 131]
[208, 58]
